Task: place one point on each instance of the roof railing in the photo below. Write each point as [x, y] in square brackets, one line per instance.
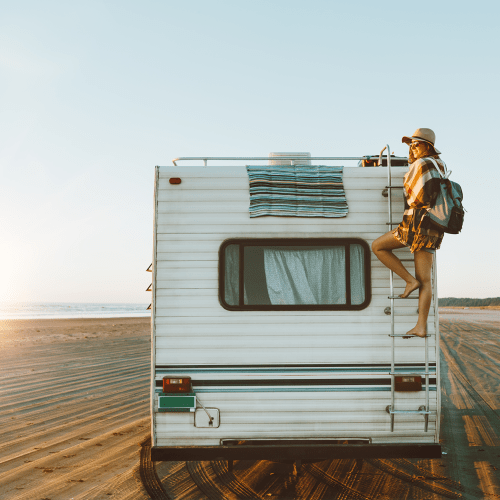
[206, 159]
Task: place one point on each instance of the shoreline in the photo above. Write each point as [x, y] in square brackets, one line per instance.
[74, 317]
[491, 308]
[8, 322]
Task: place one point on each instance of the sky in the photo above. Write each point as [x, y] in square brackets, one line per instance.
[94, 94]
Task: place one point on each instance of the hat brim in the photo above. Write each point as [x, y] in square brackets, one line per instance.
[408, 140]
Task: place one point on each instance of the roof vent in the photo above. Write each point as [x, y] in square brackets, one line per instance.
[301, 158]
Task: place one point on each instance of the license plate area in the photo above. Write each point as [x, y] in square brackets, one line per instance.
[176, 403]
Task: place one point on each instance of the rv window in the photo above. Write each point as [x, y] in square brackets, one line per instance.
[282, 274]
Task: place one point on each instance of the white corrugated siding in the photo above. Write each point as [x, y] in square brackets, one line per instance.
[299, 415]
[193, 219]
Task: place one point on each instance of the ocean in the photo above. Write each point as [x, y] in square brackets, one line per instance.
[54, 310]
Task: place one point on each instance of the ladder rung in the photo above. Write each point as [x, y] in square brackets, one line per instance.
[412, 374]
[404, 336]
[398, 297]
[418, 412]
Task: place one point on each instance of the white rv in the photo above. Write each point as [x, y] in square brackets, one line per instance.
[238, 374]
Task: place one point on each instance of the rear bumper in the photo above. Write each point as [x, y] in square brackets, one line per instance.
[294, 452]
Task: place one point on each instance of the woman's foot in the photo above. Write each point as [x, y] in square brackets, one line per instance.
[418, 332]
[410, 287]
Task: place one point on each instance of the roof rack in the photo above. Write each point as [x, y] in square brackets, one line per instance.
[206, 159]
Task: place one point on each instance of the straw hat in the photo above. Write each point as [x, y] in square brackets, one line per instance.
[422, 134]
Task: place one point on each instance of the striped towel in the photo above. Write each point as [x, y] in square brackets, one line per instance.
[297, 191]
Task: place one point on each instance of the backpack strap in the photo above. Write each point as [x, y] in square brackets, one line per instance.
[447, 172]
[444, 176]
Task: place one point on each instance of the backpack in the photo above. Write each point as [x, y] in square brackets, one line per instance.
[447, 213]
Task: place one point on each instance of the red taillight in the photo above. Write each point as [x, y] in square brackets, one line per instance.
[175, 180]
[177, 384]
[408, 383]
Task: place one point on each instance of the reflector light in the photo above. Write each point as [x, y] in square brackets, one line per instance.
[408, 383]
[177, 385]
[175, 180]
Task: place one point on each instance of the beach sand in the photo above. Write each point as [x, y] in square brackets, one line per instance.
[74, 408]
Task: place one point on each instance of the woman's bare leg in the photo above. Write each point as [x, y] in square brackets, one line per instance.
[423, 268]
[382, 247]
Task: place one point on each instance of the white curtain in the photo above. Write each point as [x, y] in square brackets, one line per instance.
[357, 274]
[231, 275]
[305, 275]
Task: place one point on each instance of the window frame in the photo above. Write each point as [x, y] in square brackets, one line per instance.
[242, 242]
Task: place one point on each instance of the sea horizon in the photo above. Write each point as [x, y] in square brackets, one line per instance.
[72, 310]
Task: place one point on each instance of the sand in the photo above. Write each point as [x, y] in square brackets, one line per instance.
[74, 407]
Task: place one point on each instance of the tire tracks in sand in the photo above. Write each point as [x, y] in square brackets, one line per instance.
[74, 410]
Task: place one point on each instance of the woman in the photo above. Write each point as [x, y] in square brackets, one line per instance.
[421, 186]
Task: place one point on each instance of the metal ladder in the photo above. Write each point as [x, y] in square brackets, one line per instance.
[391, 409]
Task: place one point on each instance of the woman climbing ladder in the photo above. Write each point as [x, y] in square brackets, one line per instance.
[421, 187]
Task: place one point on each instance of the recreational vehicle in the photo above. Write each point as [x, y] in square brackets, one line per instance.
[276, 333]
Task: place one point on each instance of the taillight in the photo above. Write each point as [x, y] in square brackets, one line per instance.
[408, 383]
[177, 385]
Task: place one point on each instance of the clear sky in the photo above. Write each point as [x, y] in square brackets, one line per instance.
[94, 94]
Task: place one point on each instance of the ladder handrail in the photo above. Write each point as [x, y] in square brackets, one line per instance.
[393, 410]
[438, 349]
[391, 285]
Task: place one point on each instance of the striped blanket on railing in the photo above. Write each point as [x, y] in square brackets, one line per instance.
[297, 191]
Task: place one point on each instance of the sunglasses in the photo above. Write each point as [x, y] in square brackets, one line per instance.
[415, 144]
